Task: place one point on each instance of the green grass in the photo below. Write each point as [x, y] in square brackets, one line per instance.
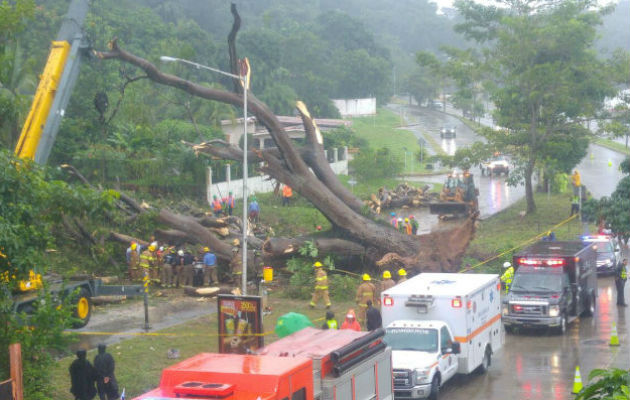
[612, 145]
[141, 359]
[382, 130]
[507, 229]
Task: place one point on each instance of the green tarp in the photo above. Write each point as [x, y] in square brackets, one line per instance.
[290, 323]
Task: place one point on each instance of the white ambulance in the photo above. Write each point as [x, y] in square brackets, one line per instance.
[438, 325]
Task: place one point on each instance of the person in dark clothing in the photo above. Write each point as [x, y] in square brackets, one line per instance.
[105, 378]
[331, 322]
[373, 317]
[82, 377]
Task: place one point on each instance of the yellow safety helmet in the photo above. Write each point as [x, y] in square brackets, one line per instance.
[151, 247]
[406, 219]
[236, 242]
[206, 249]
[133, 245]
[402, 272]
[387, 274]
[317, 264]
[366, 277]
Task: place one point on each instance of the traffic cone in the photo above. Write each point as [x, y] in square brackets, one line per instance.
[577, 381]
[614, 339]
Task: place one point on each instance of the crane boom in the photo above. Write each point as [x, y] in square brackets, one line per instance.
[55, 86]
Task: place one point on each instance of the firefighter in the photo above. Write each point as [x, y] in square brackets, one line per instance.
[402, 275]
[387, 281]
[236, 263]
[148, 261]
[365, 293]
[321, 286]
[507, 276]
[134, 260]
[331, 322]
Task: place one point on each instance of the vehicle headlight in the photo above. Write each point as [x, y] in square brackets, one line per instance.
[506, 309]
[554, 311]
[422, 375]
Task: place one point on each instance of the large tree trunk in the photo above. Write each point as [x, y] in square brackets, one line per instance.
[292, 166]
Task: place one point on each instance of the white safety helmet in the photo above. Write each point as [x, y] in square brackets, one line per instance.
[507, 264]
[154, 244]
[161, 248]
[180, 253]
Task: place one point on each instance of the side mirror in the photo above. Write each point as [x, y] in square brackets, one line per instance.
[457, 348]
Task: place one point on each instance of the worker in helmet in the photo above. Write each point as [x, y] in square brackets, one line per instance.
[402, 275]
[236, 263]
[148, 262]
[393, 220]
[507, 276]
[166, 267]
[331, 322]
[365, 292]
[133, 259]
[209, 267]
[387, 281]
[407, 226]
[321, 286]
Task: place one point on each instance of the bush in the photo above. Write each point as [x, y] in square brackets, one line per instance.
[370, 164]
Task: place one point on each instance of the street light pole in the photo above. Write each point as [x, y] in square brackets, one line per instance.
[245, 81]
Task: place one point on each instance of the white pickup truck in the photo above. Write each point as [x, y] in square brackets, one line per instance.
[438, 325]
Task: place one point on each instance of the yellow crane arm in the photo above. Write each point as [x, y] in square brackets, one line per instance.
[42, 103]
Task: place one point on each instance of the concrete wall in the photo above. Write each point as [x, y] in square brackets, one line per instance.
[338, 159]
[356, 107]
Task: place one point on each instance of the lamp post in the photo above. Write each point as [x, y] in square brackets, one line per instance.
[244, 78]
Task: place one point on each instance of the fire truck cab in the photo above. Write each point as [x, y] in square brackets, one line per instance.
[310, 364]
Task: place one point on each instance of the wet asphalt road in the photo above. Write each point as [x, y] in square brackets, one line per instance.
[540, 365]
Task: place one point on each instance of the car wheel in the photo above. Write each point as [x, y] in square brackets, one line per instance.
[487, 360]
[435, 388]
[82, 308]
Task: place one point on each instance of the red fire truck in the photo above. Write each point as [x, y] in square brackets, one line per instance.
[310, 364]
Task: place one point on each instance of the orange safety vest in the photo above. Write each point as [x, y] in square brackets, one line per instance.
[287, 191]
[216, 205]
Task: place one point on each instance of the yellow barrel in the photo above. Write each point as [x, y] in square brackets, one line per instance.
[268, 274]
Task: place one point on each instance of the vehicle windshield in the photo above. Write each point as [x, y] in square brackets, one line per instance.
[604, 248]
[412, 339]
[537, 280]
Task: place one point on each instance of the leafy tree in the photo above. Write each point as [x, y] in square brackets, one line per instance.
[606, 384]
[343, 136]
[546, 77]
[32, 206]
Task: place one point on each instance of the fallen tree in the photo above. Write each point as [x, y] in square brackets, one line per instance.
[307, 171]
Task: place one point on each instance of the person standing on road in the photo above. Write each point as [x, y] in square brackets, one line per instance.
[373, 316]
[105, 377]
[209, 267]
[82, 377]
[620, 282]
[507, 276]
[365, 293]
[321, 286]
[287, 193]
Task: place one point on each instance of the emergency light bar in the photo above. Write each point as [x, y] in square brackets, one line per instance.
[388, 301]
[421, 302]
[549, 262]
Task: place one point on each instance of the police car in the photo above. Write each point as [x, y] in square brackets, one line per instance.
[608, 252]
